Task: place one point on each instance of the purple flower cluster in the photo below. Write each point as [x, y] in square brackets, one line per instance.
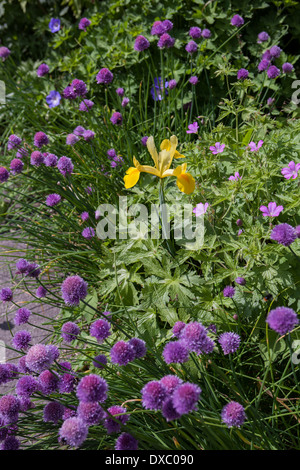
[161, 27]
[233, 414]
[229, 342]
[75, 89]
[53, 199]
[29, 269]
[70, 331]
[282, 320]
[284, 234]
[73, 289]
[42, 70]
[40, 357]
[100, 329]
[104, 76]
[114, 425]
[141, 44]
[124, 352]
[92, 388]
[21, 340]
[84, 23]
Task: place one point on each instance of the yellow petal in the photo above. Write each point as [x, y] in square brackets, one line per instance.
[178, 155]
[165, 160]
[186, 183]
[165, 145]
[148, 169]
[132, 177]
[152, 150]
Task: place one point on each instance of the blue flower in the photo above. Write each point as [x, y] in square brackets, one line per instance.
[54, 25]
[53, 99]
[157, 89]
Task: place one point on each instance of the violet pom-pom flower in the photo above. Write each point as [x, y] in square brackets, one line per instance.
[233, 414]
[139, 347]
[206, 33]
[4, 174]
[92, 388]
[262, 37]
[79, 130]
[67, 383]
[21, 340]
[125, 102]
[6, 294]
[111, 425]
[172, 84]
[144, 140]
[194, 336]
[53, 412]
[237, 21]
[229, 342]
[168, 25]
[84, 216]
[41, 292]
[117, 118]
[84, 23]
[175, 352]
[70, 331]
[73, 432]
[100, 330]
[104, 76]
[153, 395]
[100, 361]
[178, 328]
[191, 47]
[86, 105]
[195, 32]
[126, 442]
[273, 72]
[240, 280]
[171, 382]
[51, 160]
[193, 80]
[10, 443]
[185, 397]
[229, 291]
[71, 139]
[141, 44]
[90, 413]
[42, 70]
[287, 67]
[168, 410]
[88, 135]
[41, 139]
[88, 233]
[9, 409]
[122, 353]
[39, 358]
[263, 65]
[4, 52]
[120, 92]
[33, 270]
[48, 382]
[53, 199]
[65, 165]
[22, 266]
[26, 386]
[13, 142]
[275, 52]
[16, 166]
[74, 289]
[158, 28]
[282, 320]
[242, 74]
[165, 41]
[36, 158]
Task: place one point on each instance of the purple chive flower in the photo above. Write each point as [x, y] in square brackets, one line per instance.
[191, 47]
[217, 148]
[206, 33]
[233, 414]
[267, 55]
[88, 233]
[253, 147]
[4, 52]
[111, 153]
[65, 165]
[9, 409]
[41, 139]
[284, 234]
[53, 412]
[26, 386]
[291, 171]
[229, 291]
[6, 294]
[22, 266]
[236, 177]
[79, 130]
[69, 413]
[272, 210]
[22, 153]
[120, 92]
[100, 330]
[273, 72]
[297, 230]
[116, 118]
[172, 84]
[242, 74]
[88, 135]
[229, 342]
[84, 23]
[70, 331]
[4, 374]
[195, 338]
[16, 166]
[141, 44]
[71, 139]
[10, 443]
[41, 292]
[139, 347]
[78, 87]
[74, 289]
[4, 174]
[193, 80]
[104, 76]
[282, 320]
[175, 352]
[84, 216]
[54, 25]
[178, 328]
[239, 222]
[100, 361]
[185, 398]
[22, 368]
[13, 142]
[92, 388]
[51, 160]
[170, 382]
[39, 358]
[262, 37]
[112, 426]
[195, 32]
[275, 52]
[263, 65]
[122, 353]
[165, 41]
[33, 270]
[157, 90]
[42, 70]
[90, 413]
[86, 105]
[53, 199]
[153, 395]
[144, 140]
[125, 102]
[168, 25]
[168, 410]
[158, 28]
[240, 280]
[287, 67]
[193, 128]
[53, 99]
[22, 316]
[69, 93]
[21, 340]
[67, 383]
[126, 442]
[36, 158]
[48, 382]
[237, 21]
[73, 432]
[200, 209]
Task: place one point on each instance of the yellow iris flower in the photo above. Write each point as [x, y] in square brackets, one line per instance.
[162, 162]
